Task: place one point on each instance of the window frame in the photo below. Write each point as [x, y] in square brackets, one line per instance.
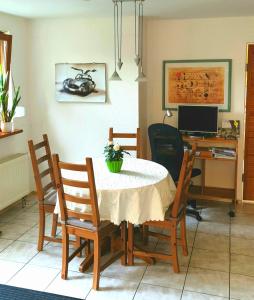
[8, 39]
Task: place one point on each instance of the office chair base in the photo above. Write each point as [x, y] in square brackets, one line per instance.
[194, 213]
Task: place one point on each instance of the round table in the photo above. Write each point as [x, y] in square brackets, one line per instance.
[142, 191]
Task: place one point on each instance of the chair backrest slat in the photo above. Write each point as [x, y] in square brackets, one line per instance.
[137, 136]
[180, 199]
[48, 187]
[45, 173]
[42, 187]
[61, 183]
[72, 167]
[75, 183]
[39, 145]
[77, 199]
[42, 159]
[79, 215]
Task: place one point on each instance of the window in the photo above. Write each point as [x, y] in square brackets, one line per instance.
[5, 51]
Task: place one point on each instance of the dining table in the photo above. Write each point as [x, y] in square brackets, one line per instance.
[142, 191]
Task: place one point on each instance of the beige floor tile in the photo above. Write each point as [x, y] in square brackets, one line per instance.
[243, 219]
[242, 246]
[212, 242]
[241, 287]
[213, 228]
[34, 277]
[8, 216]
[77, 285]
[19, 252]
[208, 282]
[215, 216]
[26, 218]
[182, 260]
[242, 231]
[191, 223]
[13, 231]
[212, 260]
[4, 244]
[31, 236]
[163, 275]
[51, 257]
[113, 289]
[150, 292]
[130, 273]
[245, 209]
[8, 270]
[198, 296]
[242, 264]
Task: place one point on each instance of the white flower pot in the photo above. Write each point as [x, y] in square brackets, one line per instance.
[7, 126]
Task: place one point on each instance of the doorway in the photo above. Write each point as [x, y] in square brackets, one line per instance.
[248, 177]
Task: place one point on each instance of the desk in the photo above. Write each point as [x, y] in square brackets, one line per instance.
[213, 193]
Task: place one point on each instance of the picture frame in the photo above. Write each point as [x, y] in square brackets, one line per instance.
[80, 82]
[197, 82]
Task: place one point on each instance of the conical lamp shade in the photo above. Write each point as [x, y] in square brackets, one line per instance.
[141, 77]
[115, 77]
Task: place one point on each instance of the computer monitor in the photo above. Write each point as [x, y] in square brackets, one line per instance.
[198, 119]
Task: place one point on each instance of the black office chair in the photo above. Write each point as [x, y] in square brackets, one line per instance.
[167, 149]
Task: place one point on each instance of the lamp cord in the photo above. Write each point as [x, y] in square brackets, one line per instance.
[115, 6]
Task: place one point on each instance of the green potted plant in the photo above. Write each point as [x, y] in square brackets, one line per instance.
[7, 107]
[114, 157]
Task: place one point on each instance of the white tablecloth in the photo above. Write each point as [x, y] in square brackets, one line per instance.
[142, 191]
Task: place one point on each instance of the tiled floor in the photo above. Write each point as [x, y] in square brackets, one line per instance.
[220, 264]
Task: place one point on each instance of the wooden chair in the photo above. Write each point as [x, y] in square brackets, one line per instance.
[85, 225]
[45, 188]
[176, 214]
[136, 136]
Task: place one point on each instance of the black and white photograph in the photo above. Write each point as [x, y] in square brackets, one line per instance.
[80, 82]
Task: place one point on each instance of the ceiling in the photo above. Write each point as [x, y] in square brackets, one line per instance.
[176, 9]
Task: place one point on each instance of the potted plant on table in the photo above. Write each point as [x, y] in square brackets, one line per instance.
[114, 157]
[7, 107]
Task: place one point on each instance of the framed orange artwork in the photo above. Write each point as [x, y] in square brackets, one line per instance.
[197, 82]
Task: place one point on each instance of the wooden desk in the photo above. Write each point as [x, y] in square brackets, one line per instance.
[213, 193]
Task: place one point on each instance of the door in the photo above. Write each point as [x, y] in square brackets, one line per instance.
[248, 192]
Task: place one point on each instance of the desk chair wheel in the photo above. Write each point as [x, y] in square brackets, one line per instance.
[193, 213]
[231, 214]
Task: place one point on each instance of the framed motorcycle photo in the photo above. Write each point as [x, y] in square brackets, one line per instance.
[80, 82]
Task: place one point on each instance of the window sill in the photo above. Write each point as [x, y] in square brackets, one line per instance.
[7, 134]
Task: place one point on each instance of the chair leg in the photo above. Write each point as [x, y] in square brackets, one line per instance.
[65, 253]
[54, 224]
[174, 249]
[124, 243]
[145, 234]
[96, 267]
[41, 228]
[130, 244]
[78, 244]
[183, 236]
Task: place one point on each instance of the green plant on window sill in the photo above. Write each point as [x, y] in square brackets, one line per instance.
[7, 107]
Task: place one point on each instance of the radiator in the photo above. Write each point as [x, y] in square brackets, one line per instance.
[14, 179]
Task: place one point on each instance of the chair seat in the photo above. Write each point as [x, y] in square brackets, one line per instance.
[51, 197]
[87, 225]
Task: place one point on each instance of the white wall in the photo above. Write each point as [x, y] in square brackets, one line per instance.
[200, 39]
[18, 27]
[76, 129]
